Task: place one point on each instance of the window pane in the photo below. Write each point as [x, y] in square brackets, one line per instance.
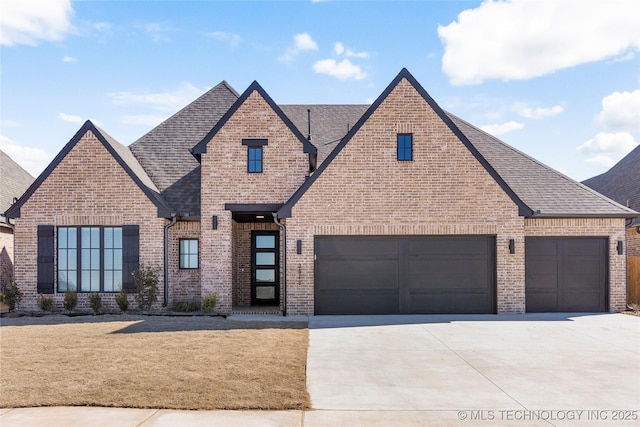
[72, 238]
[108, 237]
[265, 275]
[85, 238]
[85, 255]
[72, 259]
[72, 279]
[62, 238]
[108, 259]
[62, 260]
[193, 261]
[265, 258]
[86, 280]
[117, 237]
[95, 259]
[267, 242]
[62, 281]
[117, 259]
[265, 292]
[108, 281]
[95, 237]
[193, 246]
[183, 246]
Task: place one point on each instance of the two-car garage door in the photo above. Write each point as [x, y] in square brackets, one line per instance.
[407, 274]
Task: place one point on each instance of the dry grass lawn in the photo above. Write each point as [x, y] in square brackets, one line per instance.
[152, 362]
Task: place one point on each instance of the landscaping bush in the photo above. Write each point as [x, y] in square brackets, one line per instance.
[209, 302]
[95, 301]
[11, 295]
[70, 300]
[45, 303]
[146, 279]
[186, 306]
[122, 300]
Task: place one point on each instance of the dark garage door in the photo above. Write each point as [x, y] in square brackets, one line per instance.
[407, 275]
[565, 274]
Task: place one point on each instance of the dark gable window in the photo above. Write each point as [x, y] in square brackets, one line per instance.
[188, 253]
[254, 154]
[90, 259]
[405, 146]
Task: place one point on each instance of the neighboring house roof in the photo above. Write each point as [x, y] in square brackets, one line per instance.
[119, 152]
[622, 182]
[14, 181]
[164, 152]
[536, 189]
[201, 147]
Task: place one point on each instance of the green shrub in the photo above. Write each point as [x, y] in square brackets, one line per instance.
[45, 303]
[122, 300]
[11, 295]
[186, 306]
[209, 302]
[95, 301]
[146, 279]
[70, 300]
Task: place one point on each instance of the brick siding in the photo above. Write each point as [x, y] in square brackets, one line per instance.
[225, 180]
[88, 187]
[633, 241]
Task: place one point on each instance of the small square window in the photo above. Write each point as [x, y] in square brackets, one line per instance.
[405, 146]
[188, 253]
[254, 161]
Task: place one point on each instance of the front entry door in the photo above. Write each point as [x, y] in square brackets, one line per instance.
[265, 268]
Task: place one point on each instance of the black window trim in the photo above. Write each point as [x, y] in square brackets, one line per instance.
[180, 267]
[79, 257]
[410, 159]
[255, 142]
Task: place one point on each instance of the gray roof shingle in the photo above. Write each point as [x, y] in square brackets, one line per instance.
[541, 188]
[622, 182]
[14, 181]
[165, 155]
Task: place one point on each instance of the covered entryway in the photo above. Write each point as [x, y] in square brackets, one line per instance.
[404, 274]
[566, 274]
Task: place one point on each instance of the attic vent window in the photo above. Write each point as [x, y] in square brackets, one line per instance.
[254, 154]
[405, 147]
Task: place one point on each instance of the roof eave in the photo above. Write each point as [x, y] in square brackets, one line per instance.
[586, 215]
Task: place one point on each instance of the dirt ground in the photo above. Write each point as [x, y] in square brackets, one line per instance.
[181, 362]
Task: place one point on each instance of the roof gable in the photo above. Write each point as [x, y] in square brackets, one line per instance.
[119, 152]
[523, 209]
[201, 147]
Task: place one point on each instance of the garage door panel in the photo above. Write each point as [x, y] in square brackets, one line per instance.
[405, 274]
[359, 274]
[566, 274]
[449, 273]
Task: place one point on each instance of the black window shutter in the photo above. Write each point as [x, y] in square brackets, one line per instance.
[46, 266]
[130, 256]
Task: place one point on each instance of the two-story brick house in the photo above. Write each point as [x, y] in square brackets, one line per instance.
[393, 207]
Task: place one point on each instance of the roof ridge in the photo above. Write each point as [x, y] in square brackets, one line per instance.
[549, 168]
[222, 84]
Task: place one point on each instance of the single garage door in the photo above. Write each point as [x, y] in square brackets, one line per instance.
[404, 275]
[566, 274]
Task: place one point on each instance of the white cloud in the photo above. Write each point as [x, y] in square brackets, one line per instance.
[29, 21]
[302, 42]
[33, 160]
[521, 39]
[233, 39]
[70, 118]
[501, 129]
[601, 160]
[621, 111]
[150, 120]
[343, 70]
[67, 59]
[170, 100]
[5, 123]
[615, 144]
[158, 32]
[339, 49]
[537, 113]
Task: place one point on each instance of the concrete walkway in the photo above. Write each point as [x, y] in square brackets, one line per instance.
[521, 370]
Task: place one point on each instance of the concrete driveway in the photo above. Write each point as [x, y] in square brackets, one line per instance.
[504, 369]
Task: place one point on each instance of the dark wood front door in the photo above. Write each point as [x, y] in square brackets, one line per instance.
[265, 268]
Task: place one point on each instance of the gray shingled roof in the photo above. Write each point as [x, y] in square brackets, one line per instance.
[165, 155]
[14, 181]
[537, 185]
[329, 123]
[622, 182]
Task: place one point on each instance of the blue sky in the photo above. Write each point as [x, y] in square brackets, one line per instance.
[559, 80]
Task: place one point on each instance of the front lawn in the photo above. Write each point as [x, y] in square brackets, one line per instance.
[129, 361]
